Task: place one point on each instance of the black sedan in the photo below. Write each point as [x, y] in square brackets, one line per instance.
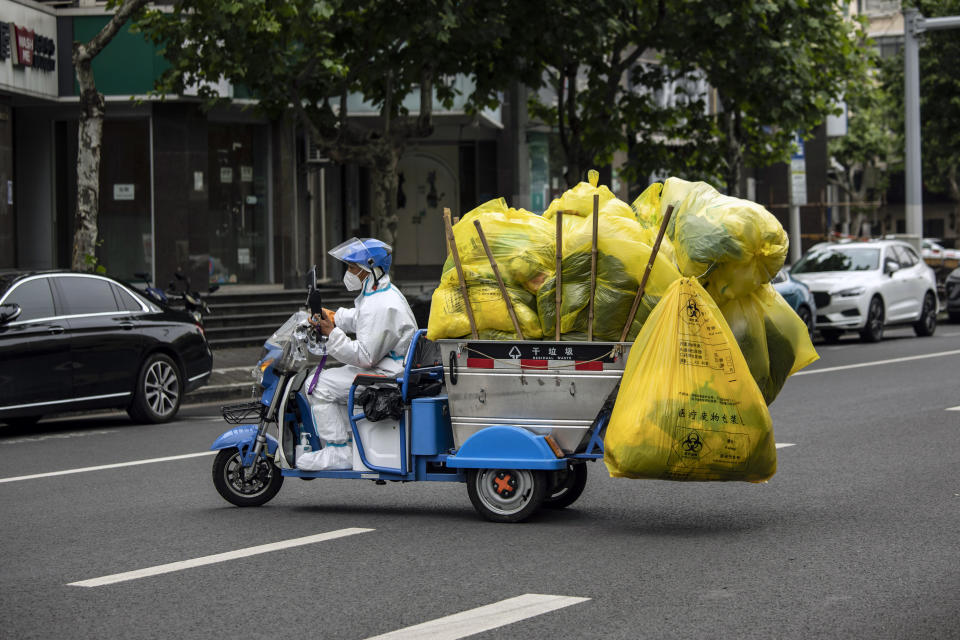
[76, 341]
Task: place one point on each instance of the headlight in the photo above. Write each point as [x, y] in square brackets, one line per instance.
[258, 370]
[850, 293]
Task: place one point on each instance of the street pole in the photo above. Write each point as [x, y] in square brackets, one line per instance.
[916, 24]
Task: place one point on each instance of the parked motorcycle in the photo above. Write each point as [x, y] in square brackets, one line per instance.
[154, 293]
[192, 301]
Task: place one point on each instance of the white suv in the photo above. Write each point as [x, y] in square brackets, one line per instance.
[864, 286]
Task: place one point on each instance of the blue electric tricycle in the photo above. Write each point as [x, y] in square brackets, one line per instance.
[516, 421]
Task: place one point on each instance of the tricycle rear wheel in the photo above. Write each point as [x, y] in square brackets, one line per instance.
[251, 491]
[567, 487]
[506, 495]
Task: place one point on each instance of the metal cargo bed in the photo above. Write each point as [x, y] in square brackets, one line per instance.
[554, 388]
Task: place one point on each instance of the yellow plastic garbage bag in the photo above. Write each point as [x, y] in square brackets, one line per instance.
[687, 408]
[623, 251]
[523, 245]
[577, 203]
[647, 206]
[774, 340]
[736, 244]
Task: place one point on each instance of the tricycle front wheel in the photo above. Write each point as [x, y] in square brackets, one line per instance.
[245, 489]
[506, 495]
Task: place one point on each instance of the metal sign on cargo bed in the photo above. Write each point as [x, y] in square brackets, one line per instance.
[598, 352]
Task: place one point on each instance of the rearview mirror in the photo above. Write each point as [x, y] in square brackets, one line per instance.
[9, 312]
[891, 267]
[314, 299]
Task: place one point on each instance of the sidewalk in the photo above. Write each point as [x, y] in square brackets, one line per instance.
[231, 380]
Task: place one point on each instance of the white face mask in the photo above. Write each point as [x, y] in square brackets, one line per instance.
[352, 281]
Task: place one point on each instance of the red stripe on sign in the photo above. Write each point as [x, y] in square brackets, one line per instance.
[533, 364]
[589, 366]
[480, 363]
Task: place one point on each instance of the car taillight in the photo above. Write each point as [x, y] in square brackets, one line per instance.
[200, 330]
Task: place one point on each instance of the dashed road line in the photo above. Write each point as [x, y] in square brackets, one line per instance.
[491, 616]
[101, 467]
[879, 362]
[781, 445]
[219, 557]
[57, 436]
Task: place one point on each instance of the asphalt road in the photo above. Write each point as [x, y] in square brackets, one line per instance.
[855, 537]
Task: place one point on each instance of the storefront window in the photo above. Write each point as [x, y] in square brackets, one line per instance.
[125, 238]
[238, 221]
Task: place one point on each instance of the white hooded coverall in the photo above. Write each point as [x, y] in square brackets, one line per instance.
[384, 326]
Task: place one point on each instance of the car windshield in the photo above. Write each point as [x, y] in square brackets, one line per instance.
[839, 259]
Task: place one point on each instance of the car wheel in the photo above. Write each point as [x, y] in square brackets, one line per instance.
[807, 317]
[954, 316]
[831, 336]
[927, 323]
[159, 387]
[873, 331]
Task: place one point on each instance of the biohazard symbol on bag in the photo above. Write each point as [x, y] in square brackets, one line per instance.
[688, 408]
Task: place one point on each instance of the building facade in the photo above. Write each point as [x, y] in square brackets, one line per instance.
[223, 195]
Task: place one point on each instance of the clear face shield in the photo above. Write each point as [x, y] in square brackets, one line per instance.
[355, 252]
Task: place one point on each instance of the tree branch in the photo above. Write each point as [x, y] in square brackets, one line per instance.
[89, 50]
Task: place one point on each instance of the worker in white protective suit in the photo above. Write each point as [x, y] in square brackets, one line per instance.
[383, 325]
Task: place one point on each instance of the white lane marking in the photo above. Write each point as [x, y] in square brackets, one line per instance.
[108, 466]
[221, 387]
[247, 368]
[781, 445]
[218, 557]
[57, 436]
[953, 408]
[879, 362]
[491, 616]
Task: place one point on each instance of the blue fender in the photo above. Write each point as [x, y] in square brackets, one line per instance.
[242, 438]
[505, 447]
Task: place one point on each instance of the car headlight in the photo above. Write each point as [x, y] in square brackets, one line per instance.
[850, 293]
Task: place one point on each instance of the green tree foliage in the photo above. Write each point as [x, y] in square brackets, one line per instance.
[318, 56]
[939, 101]
[769, 68]
[777, 68]
[590, 58]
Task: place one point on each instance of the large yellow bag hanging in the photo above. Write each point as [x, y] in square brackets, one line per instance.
[524, 247]
[688, 408]
[772, 337]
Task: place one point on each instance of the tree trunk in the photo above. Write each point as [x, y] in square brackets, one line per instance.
[88, 170]
[383, 175]
[733, 155]
[90, 137]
